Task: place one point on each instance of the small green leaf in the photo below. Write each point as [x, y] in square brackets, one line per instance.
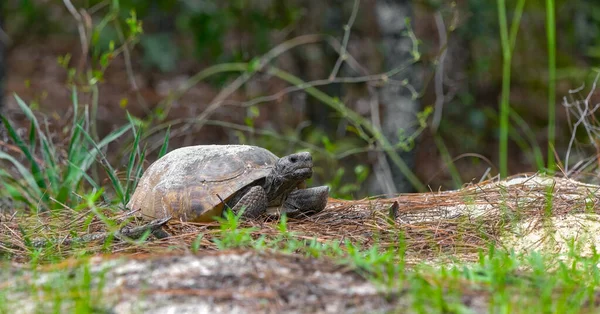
[249, 122]
[196, 243]
[95, 37]
[253, 65]
[253, 111]
[361, 172]
[123, 102]
[329, 146]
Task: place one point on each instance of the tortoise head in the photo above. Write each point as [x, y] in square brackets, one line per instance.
[288, 173]
[295, 167]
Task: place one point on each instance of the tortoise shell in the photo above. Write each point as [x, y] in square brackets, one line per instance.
[191, 183]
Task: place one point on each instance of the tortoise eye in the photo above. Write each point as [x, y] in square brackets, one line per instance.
[293, 158]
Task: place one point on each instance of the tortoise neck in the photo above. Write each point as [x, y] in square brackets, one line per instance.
[275, 186]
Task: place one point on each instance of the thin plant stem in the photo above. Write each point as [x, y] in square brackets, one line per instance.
[347, 29]
[445, 154]
[504, 102]
[533, 148]
[508, 41]
[358, 120]
[550, 30]
[514, 27]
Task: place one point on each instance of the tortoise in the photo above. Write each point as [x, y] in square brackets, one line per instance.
[195, 183]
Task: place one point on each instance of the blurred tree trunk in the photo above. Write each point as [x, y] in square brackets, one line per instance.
[398, 109]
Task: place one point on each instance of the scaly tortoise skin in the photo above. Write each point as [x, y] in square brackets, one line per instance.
[191, 183]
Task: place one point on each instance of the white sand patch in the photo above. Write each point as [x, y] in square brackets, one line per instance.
[556, 235]
[494, 198]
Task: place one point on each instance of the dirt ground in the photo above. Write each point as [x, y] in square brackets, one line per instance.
[228, 282]
[440, 228]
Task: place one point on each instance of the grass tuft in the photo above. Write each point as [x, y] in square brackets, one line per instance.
[45, 180]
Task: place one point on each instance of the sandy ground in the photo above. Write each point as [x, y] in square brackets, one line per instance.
[439, 228]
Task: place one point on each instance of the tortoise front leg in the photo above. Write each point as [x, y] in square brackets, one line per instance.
[304, 202]
[254, 203]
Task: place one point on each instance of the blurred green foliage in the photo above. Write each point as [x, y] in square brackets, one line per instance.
[235, 30]
[208, 23]
[470, 118]
[51, 181]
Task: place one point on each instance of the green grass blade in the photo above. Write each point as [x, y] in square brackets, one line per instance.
[505, 95]
[516, 22]
[49, 155]
[445, 154]
[132, 157]
[16, 194]
[91, 155]
[130, 167]
[27, 176]
[110, 171]
[80, 158]
[76, 153]
[112, 136]
[28, 113]
[75, 102]
[75, 147]
[538, 157]
[165, 145]
[48, 140]
[35, 167]
[16, 190]
[51, 169]
[138, 173]
[551, 34]
[89, 180]
[132, 122]
[48, 152]
[32, 138]
[47, 149]
[507, 40]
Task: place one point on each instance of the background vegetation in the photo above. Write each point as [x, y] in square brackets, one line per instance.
[97, 89]
[180, 42]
